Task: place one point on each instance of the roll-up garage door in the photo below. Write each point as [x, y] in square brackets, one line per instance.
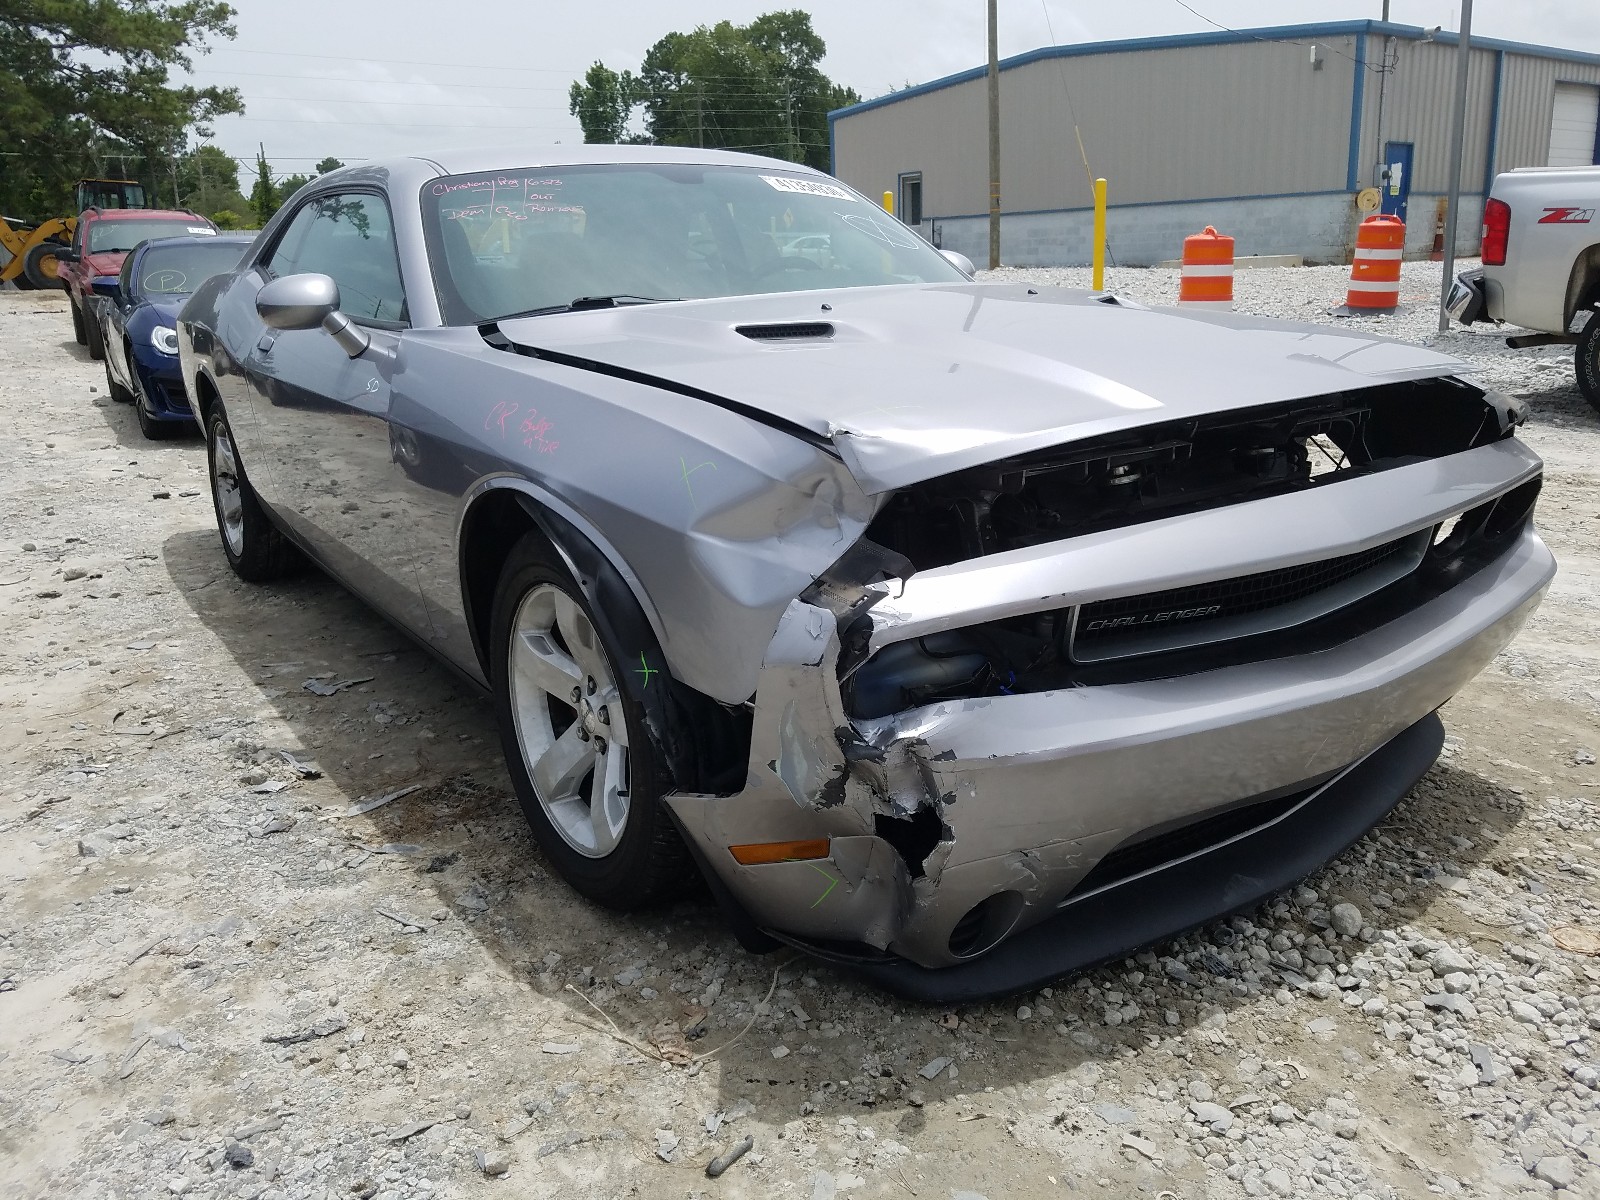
[1573, 125]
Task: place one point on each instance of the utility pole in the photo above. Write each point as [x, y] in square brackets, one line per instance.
[1383, 78]
[1458, 121]
[994, 138]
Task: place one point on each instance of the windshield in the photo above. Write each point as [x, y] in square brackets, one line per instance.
[512, 242]
[107, 236]
[179, 269]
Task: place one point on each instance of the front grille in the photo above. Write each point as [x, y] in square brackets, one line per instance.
[1238, 607]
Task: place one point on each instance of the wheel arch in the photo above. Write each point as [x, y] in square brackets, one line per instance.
[704, 743]
[1583, 285]
[204, 399]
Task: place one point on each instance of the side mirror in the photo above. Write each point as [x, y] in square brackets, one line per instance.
[110, 289]
[68, 254]
[298, 301]
[311, 301]
[960, 262]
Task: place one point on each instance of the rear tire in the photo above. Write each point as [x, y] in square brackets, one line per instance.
[568, 719]
[79, 329]
[256, 550]
[1587, 361]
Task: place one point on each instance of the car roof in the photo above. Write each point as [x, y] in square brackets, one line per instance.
[456, 161]
[514, 156]
[145, 214]
[229, 239]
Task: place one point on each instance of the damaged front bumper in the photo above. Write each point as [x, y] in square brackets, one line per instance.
[1103, 816]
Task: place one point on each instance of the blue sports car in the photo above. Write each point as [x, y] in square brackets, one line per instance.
[139, 324]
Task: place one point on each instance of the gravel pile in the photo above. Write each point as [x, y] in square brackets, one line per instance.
[226, 971]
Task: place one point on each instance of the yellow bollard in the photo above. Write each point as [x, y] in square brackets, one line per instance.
[888, 203]
[1099, 235]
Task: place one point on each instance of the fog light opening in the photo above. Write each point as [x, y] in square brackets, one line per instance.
[986, 924]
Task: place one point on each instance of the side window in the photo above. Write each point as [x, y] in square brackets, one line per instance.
[350, 238]
[286, 254]
[125, 283]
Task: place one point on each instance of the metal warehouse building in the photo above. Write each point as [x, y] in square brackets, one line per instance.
[1268, 134]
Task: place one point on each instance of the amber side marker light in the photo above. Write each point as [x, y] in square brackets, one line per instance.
[757, 853]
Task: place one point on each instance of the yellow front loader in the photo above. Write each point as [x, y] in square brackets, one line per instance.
[28, 252]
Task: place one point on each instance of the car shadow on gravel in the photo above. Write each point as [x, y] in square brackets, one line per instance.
[1560, 402]
[123, 423]
[466, 849]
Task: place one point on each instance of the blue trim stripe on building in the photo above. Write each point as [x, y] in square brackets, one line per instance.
[1278, 33]
[1496, 104]
[1125, 208]
[1352, 171]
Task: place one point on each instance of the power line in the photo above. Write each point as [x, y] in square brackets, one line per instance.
[1061, 74]
[407, 62]
[1360, 62]
[411, 83]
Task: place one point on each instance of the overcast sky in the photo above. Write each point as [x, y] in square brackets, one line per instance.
[368, 78]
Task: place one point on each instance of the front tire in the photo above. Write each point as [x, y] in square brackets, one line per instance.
[256, 550]
[118, 393]
[41, 267]
[1587, 361]
[79, 329]
[154, 430]
[580, 757]
[94, 335]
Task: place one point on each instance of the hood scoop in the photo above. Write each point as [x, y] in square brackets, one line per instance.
[787, 331]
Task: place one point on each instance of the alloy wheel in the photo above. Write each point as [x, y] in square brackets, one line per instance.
[225, 483]
[569, 720]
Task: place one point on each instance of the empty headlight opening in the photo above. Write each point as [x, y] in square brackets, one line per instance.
[1179, 467]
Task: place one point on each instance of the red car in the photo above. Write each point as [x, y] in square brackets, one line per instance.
[89, 270]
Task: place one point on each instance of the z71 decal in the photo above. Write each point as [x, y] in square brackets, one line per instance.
[1567, 216]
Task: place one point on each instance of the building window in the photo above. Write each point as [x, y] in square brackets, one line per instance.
[911, 198]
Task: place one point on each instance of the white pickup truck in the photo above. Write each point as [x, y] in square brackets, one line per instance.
[1541, 265]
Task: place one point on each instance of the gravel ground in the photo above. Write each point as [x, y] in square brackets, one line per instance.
[217, 978]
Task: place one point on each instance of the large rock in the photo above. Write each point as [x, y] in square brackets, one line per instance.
[1346, 920]
[1555, 1170]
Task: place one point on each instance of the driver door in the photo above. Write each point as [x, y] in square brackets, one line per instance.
[323, 417]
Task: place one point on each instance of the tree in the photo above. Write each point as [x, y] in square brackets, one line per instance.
[289, 187]
[85, 82]
[328, 164]
[745, 87]
[602, 104]
[264, 196]
[208, 182]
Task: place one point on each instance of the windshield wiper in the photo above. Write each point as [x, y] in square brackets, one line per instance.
[585, 303]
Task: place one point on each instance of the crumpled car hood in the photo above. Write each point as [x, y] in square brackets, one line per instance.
[917, 382]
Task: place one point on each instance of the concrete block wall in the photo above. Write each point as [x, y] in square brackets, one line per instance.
[1320, 228]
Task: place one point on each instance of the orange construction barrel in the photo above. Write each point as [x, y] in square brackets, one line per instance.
[1375, 273]
[1207, 279]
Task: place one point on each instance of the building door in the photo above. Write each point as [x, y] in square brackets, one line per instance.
[1396, 178]
[1574, 141]
[911, 198]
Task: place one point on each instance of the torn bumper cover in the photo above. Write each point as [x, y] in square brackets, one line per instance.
[1103, 816]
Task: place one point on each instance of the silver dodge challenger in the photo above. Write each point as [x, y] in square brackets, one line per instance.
[966, 634]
